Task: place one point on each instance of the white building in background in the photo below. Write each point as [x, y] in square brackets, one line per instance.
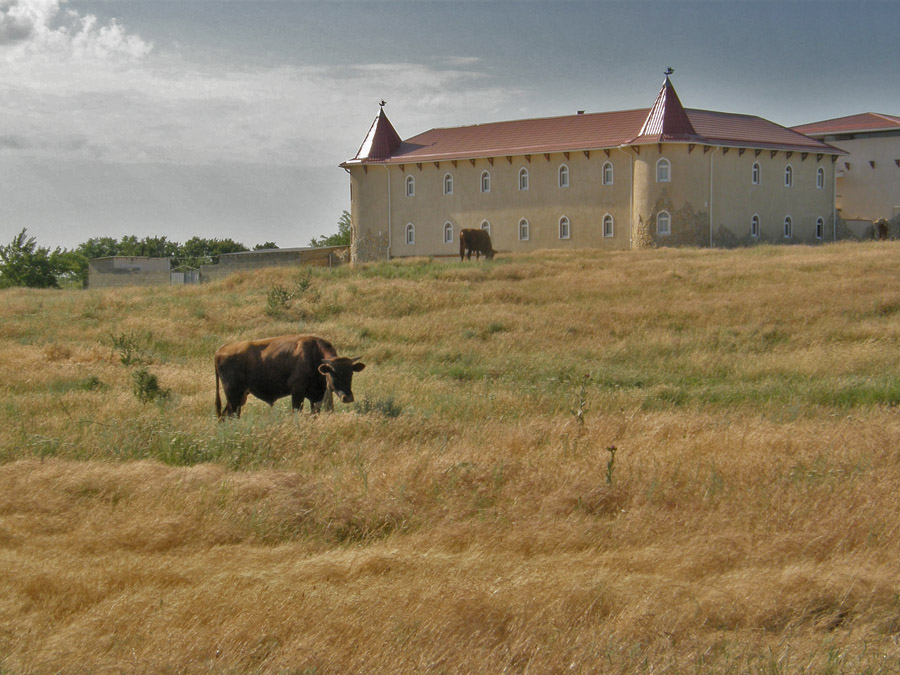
[868, 177]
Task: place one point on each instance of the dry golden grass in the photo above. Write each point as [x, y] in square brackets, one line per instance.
[465, 516]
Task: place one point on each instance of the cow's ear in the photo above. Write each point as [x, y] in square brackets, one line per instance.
[325, 369]
[358, 367]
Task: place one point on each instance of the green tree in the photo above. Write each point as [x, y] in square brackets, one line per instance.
[267, 245]
[24, 263]
[197, 251]
[70, 267]
[341, 238]
[99, 247]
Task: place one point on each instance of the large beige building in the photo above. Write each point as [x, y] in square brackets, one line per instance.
[868, 178]
[661, 176]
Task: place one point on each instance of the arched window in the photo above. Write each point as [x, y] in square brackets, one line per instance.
[523, 178]
[523, 230]
[788, 228]
[486, 226]
[410, 186]
[410, 234]
[820, 178]
[663, 171]
[608, 173]
[448, 233]
[608, 225]
[663, 224]
[485, 181]
[788, 176]
[563, 176]
[820, 227]
[448, 184]
[755, 174]
[564, 229]
[754, 226]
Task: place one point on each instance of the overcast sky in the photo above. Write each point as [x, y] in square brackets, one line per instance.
[228, 118]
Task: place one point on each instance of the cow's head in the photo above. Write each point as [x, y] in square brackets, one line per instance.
[339, 374]
[490, 254]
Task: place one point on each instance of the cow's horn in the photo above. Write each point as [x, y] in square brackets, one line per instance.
[355, 359]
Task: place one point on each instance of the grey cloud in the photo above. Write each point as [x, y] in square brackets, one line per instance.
[8, 142]
[15, 26]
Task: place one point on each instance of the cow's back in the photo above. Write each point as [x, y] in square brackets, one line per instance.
[476, 240]
[271, 368]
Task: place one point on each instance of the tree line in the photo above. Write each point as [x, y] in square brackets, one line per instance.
[24, 263]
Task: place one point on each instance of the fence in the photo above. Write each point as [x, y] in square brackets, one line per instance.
[144, 271]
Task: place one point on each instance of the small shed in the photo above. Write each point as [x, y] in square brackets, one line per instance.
[122, 270]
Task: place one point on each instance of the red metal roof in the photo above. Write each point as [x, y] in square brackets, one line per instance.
[381, 141]
[850, 124]
[667, 121]
[749, 131]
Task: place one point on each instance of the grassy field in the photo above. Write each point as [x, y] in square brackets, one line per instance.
[653, 461]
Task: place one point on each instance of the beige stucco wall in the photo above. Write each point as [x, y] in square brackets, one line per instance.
[866, 192]
[369, 217]
[711, 197]
[736, 199]
[634, 199]
[584, 203]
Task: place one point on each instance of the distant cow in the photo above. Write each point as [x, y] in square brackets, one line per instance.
[299, 366]
[477, 241]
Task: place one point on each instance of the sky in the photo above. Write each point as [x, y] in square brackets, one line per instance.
[229, 118]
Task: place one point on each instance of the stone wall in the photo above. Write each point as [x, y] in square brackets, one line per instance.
[128, 271]
[137, 271]
[229, 263]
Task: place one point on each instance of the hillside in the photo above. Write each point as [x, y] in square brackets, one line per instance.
[667, 460]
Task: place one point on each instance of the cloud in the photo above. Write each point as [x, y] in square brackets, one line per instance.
[31, 29]
[77, 88]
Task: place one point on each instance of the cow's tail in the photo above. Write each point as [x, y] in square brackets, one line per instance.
[218, 398]
[462, 246]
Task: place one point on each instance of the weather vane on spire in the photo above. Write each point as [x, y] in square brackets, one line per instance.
[669, 71]
[383, 103]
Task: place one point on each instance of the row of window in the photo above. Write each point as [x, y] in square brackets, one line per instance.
[788, 227]
[663, 175]
[562, 175]
[565, 229]
[756, 176]
[663, 228]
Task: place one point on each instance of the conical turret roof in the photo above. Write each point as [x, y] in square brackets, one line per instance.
[381, 141]
[667, 120]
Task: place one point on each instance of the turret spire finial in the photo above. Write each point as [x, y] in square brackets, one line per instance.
[383, 103]
[669, 71]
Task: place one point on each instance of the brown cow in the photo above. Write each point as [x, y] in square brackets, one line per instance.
[299, 366]
[478, 241]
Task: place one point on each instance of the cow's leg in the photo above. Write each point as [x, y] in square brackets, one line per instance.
[297, 402]
[327, 401]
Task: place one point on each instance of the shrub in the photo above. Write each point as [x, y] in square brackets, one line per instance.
[277, 300]
[146, 387]
[129, 349]
[382, 406]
